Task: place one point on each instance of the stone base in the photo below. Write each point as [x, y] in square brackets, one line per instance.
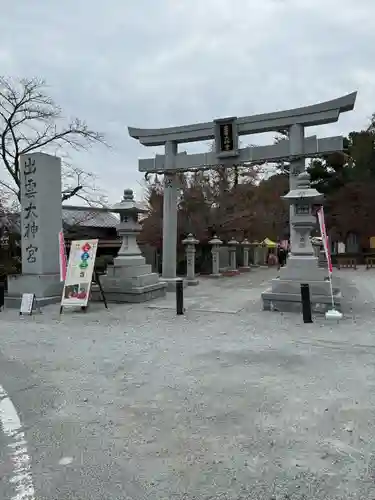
[191, 282]
[120, 295]
[285, 295]
[244, 269]
[47, 289]
[12, 302]
[219, 275]
[292, 302]
[231, 272]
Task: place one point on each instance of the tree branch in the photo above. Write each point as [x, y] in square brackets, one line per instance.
[30, 122]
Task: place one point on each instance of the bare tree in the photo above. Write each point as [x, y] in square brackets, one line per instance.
[31, 121]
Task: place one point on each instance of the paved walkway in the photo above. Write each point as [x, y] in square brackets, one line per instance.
[225, 402]
[223, 295]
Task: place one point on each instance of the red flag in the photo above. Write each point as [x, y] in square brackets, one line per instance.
[323, 233]
[62, 255]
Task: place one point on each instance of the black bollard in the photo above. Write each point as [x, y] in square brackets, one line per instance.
[180, 297]
[306, 303]
[2, 295]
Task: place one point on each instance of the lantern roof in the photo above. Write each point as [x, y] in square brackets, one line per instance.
[303, 190]
[128, 204]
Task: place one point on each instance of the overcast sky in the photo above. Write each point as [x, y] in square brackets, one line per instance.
[157, 63]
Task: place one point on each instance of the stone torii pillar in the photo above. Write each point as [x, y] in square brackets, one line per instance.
[170, 218]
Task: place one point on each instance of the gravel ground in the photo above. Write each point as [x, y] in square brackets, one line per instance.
[226, 402]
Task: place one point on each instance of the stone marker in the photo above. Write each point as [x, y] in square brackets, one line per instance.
[41, 221]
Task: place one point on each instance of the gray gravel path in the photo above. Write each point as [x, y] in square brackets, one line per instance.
[226, 402]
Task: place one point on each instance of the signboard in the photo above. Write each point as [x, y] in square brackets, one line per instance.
[324, 235]
[27, 303]
[62, 256]
[340, 247]
[79, 273]
[226, 137]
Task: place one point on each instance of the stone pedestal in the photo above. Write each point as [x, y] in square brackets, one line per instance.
[302, 265]
[130, 279]
[245, 264]
[41, 221]
[232, 247]
[190, 242]
[215, 243]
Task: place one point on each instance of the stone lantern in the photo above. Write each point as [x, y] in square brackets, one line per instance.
[245, 264]
[215, 250]
[257, 252]
[232, 247]
[130, 279]
[302, 265]
[190, 242]
[302, 200]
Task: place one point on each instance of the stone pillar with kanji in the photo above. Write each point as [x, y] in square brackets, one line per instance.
[215, 252]
[190, 243]
[40, 224]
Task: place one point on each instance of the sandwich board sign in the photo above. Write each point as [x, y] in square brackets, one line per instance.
[27, 304]
[79, 273]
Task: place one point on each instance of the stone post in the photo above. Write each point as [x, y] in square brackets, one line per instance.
[41, 222]
[215, 242]
[232, 247]
[170, 217]
[190, 242]
[245, 264]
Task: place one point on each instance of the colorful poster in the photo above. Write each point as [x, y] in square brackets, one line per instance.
[62, 254]
[79, 273]
[324, 235]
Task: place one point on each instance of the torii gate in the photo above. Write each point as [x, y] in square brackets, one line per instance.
[225, 132]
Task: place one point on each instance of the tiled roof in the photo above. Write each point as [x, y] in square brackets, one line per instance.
[78, 216]
[89, 217]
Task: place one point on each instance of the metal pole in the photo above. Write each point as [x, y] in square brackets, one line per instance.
[2, 295]
[306, 303]
[179, 297]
